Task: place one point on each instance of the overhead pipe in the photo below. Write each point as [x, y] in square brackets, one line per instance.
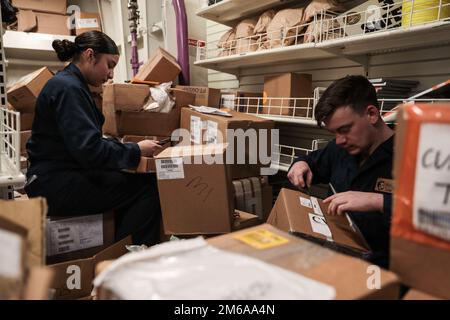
[182, 40]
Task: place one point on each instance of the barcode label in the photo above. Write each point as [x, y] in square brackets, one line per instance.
[170, 169]
[196, 130]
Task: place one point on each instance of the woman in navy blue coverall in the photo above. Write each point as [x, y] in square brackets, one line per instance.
[72, 165]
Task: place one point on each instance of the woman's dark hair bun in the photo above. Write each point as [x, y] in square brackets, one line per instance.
[65, 49]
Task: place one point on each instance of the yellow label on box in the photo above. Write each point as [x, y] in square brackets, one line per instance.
[262, 239]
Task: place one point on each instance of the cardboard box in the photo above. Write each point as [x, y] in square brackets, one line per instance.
[247, 102]
[307, 217]
[287, 85]
[75, 238]
[161, 67]
[26, 121]
[26, 21]
[143, 123]
[204, 96]
[125, 97]
[23, 94]
[12, 256]
[414, 294]
[206, 128]
[50, 23]
[196, 198]
[253, 195]
[52, 6]
[24, 136]
[73, 279]
[29, 215]
[350, 277]
[420, 232]
[38, 284]
[87, 21]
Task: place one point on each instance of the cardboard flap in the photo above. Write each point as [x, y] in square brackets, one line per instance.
[27, 21]
[30, 215]
[113, 252]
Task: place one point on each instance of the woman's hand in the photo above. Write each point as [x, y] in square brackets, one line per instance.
[148, 147]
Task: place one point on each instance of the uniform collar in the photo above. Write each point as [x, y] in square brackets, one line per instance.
[72, 68]
[381, 153]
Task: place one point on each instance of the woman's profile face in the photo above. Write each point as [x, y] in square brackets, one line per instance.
[102, 69]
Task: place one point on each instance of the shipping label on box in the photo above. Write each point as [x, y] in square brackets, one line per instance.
[431, 209]
[170, 169]
[74, 234]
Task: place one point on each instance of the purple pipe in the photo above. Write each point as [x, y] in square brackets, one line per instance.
[182, 41]
[134, 54]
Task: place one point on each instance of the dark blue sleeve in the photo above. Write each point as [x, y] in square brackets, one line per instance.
[387, 204]
[320, 162]
[83, 137]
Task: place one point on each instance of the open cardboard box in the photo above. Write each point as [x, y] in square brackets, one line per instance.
[73, 279]
[306, 217]
[121, 103]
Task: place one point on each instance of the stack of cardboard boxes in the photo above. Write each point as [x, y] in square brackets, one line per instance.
[50, 17]
[123, 104]
[214, 171]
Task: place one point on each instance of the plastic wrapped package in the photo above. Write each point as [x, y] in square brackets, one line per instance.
[326, 30]
[246, 42]
[160, 99]
[261, 27]
[284, 28]
[193, 270]
[317, 6]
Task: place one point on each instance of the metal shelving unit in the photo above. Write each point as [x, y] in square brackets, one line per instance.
[329, 37]
[287, 154]
[228, 12]
[10, 167]
[301, 110]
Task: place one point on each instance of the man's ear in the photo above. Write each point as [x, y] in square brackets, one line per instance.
[373, 113]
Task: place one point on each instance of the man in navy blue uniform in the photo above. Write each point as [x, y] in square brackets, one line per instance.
[356, 163]
[72, 165]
